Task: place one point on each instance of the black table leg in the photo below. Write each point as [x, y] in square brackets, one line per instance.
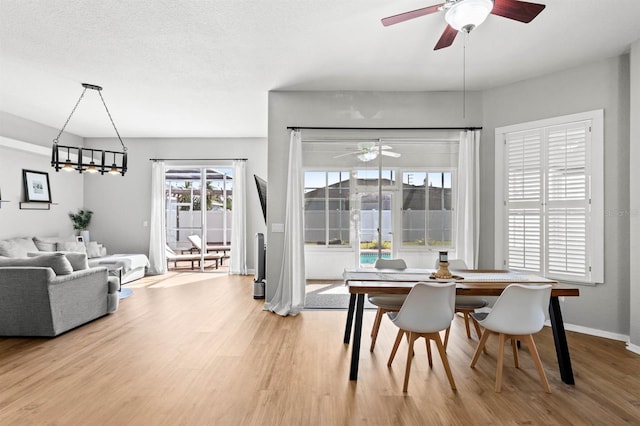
[560, 339]
[357, 332]
[347, 327]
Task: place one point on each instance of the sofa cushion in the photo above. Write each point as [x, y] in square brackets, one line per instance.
[17, 247]
[46, 244]
[56, 261]
[74, 246]
[78, 261]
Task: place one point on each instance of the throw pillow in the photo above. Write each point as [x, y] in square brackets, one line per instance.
[93, 249]
[56, 261]
[17, 247]
[72, 246]
[77, 260]
[45, 244]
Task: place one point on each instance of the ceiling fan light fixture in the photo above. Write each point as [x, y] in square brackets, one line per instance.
[465, 15]
[367, 156]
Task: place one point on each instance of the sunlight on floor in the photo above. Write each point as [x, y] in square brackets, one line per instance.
[176, 279]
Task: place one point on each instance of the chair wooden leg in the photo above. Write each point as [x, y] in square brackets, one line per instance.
[536, 359]
[478, 331]
[501, 340]
[395, 347]
[445, 361]
[428, 344]
[407, 371]
[476, 326]
[481, 345]
[514, 348]
[466, 323]
[446, 337]
[374, 330]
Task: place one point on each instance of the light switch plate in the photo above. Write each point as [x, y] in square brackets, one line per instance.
[277, 227]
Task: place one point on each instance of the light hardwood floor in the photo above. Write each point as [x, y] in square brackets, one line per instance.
[197, 349]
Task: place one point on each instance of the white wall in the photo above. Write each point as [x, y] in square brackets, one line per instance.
[347, 109]
[634, 204]
[26, 145]
[600, 85]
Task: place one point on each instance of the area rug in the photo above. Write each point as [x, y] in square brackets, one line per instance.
[124, 293]
[329, 296]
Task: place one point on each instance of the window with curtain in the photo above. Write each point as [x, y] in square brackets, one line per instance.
[549, 183]
[427, 209]
[326, 208]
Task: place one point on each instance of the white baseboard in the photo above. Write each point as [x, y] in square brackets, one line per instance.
[594, 332]
[633, 348]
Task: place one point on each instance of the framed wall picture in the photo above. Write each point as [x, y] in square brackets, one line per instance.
[36, 186]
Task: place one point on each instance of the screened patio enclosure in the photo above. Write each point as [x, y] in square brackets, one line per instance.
[190, 191]
[387, 196]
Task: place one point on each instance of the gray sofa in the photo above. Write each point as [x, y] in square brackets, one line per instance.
[129, 267]
[47, 294]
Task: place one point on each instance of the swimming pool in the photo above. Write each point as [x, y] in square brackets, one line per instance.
[369, 258]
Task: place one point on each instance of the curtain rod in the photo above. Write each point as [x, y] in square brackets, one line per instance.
[381, 128]
[198, 159]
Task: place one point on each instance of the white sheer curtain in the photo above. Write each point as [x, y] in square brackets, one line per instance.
[157, 237]
[467, 232]
[239, 214]
[290, 290]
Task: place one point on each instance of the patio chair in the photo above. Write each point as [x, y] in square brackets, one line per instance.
[196, 243]
[194, 258]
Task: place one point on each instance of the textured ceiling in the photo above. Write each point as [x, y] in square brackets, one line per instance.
[196, 68]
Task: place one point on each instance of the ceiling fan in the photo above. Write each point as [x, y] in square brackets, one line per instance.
[465, 15]
[368, 151]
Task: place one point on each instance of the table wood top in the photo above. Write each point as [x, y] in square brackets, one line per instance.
[469, 282]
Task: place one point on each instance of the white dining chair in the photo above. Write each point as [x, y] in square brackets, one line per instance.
[465, 305]
[518, 314]
[427, 310]
[385, 302]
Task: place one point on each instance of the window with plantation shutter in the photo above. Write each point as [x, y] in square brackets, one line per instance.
[550, 223]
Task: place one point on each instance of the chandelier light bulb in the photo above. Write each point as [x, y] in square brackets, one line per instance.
[91, 168]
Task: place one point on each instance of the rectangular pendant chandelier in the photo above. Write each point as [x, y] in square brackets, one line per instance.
[72, 158]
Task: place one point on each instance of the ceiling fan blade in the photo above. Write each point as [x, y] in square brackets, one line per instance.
[447, 37]
[348, 153]
[517, 10]
[396, 19]
[391, 154]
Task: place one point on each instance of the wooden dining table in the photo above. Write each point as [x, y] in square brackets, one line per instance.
[362, 281]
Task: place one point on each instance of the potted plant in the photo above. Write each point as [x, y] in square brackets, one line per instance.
[81, 222]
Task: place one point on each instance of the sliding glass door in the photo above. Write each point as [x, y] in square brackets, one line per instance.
[198, 204]
[375, 227]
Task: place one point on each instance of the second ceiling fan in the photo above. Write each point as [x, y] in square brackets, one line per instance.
[465, 15]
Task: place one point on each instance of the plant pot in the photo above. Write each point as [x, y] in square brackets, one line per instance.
[85, 235]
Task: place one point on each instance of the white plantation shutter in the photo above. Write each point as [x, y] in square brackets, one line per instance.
[524, 196]
[547, 200]
[567, 201]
